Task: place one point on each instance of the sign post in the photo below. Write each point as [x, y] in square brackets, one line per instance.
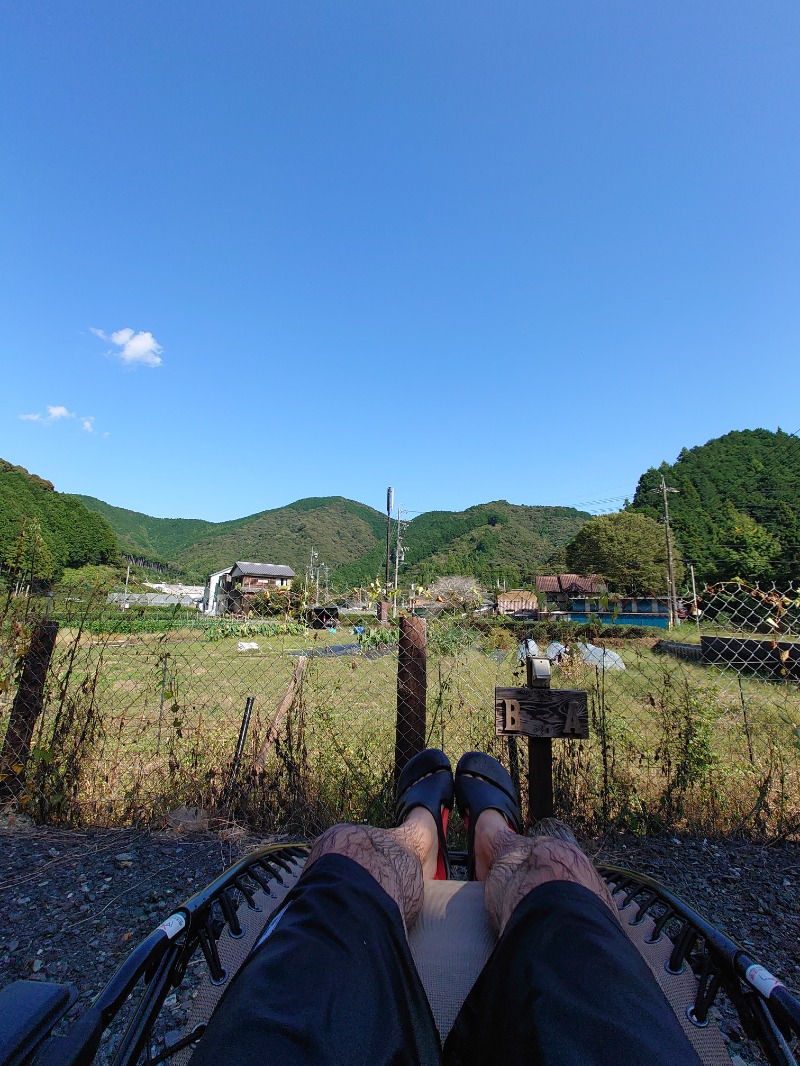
[541, 714]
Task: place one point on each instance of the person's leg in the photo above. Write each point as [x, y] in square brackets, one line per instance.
[565, 984]
[334, 981]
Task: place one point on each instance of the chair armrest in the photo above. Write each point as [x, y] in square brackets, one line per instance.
[28, 1012]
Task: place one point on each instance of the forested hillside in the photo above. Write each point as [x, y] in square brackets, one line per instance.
[156, 539]
[736, 513]
[340, 530]
[47, 530]
[492, 541]
[737, 508]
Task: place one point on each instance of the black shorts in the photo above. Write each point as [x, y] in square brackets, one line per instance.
[334, 982]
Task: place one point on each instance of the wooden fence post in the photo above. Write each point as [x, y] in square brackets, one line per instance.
[26, 708]
[540, 761]
[280, 713]
[540, 714]
[411, 691]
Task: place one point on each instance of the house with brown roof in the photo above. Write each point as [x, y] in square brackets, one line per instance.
[231, 591]
[558, 590]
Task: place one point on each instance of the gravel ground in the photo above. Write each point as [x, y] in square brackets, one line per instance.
[75, 903]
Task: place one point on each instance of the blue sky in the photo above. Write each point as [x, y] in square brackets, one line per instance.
[252, 252]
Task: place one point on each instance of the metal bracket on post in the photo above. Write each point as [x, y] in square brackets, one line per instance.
[538, 671]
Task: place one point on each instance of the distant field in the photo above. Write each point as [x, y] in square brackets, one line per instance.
[673, 743]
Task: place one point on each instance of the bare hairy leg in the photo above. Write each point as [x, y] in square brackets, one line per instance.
[399, 859]
[513, 865]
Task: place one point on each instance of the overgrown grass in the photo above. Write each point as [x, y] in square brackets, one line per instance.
[138, 723]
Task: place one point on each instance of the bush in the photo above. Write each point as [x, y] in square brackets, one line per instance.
[379, 637]
[222, 630]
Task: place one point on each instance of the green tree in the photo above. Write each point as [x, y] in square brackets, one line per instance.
[627, 549]
[786, 526]
[30, 558]
[745, 548]
[754, 471]
[72, 534]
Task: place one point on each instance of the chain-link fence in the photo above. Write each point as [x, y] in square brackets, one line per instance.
[290, 723]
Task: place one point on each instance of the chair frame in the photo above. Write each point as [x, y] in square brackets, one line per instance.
[769, 1012]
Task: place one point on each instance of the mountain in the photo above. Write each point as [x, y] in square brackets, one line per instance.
[155, 539]
[736, 513]
[341, 531]
[45, 530]
[737, 508]
[490, 541]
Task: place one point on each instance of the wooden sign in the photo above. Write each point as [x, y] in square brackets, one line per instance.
[541, 712]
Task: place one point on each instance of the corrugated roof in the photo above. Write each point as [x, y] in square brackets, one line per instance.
[263, 570]
[153, 599]
[517, 596]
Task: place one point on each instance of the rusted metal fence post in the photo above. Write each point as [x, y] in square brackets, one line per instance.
[26, 708]
[237, 759]
[411, 691]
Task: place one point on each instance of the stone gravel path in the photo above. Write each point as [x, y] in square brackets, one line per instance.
[75, 903]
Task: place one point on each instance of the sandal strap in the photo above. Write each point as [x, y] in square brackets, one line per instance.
[481, 784]
[427, 781]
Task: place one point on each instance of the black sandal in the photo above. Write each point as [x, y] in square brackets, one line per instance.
[427, 781]
[483, 784]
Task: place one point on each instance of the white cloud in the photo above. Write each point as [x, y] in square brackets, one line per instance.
[141, 347]
[54, 413]
[88, 423]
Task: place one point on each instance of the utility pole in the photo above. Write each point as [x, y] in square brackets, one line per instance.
[313, 559]
[389, 504]
[694, 596]
[673, 599]
[399, 555]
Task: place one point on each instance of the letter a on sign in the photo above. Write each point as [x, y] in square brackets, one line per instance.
[571, 723]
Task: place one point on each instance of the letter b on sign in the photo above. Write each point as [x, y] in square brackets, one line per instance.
[512, 715]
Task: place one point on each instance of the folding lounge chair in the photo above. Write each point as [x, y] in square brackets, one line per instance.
[196, 951]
